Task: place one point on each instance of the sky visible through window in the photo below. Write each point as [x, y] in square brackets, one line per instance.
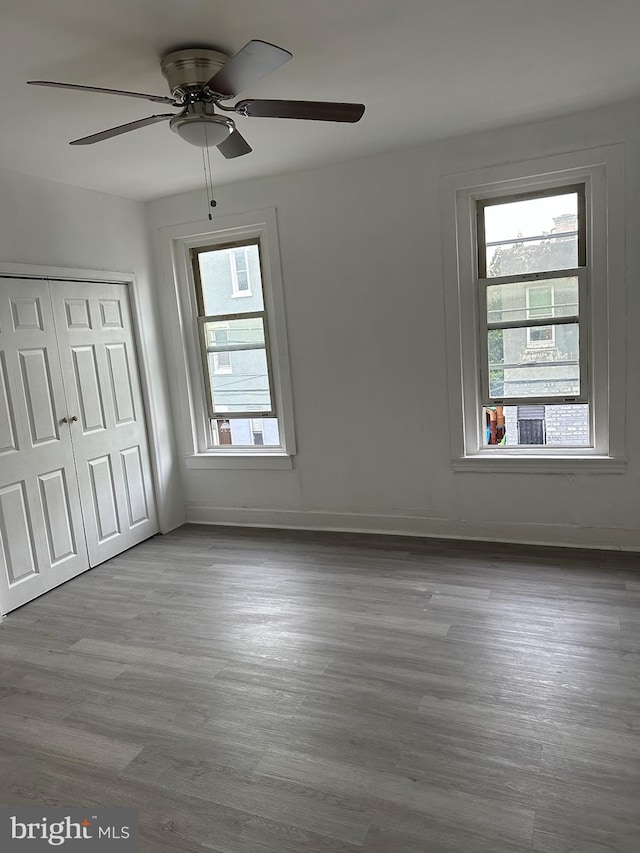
[528, 218]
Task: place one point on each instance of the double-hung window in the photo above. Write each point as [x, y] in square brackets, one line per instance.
[232, 364]
[234, 343]
[533, 305]
[534, 289]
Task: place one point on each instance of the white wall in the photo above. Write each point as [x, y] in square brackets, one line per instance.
[51, 224]
[362, 269]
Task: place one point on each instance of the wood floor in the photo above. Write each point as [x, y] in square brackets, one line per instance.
[279, 692]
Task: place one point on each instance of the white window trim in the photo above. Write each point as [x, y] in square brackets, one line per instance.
[602, 169]
[236, 292]
[175, 243]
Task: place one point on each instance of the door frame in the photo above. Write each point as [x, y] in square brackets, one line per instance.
[53, 274]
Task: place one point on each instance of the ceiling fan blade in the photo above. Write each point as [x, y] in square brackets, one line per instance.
[253, 62]
[157, 99]
[235, 145]
[312, 110]
[121, 128]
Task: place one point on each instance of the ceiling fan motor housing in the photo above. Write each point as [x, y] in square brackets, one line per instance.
[186, 70]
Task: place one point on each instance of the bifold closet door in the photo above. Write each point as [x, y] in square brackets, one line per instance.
[42, 540]
[100, 375]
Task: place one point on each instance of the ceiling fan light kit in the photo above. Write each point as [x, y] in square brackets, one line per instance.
[201, 80]
[199, 125]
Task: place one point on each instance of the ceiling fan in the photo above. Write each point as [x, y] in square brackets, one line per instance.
[202, 80]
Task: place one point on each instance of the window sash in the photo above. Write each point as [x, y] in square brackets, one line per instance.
[196, 251]
[483, 203]
[206, 349]
[485, 399]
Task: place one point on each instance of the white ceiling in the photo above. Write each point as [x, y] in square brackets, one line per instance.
[424, 68]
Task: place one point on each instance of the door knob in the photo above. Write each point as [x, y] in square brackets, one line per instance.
[66, 420]
[74, 418]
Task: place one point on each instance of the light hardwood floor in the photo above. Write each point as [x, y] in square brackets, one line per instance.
[278, 692]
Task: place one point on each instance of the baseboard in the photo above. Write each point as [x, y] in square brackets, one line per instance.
[557, 535]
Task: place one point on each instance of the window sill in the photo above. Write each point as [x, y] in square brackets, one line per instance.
[241, 461]
[493, 464]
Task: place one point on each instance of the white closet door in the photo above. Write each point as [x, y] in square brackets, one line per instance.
[42, 541]
[100, 374]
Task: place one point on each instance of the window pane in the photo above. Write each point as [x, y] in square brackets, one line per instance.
[535, 235]
[216, 277]
[518, 369]
[246, 387]
[240, 260]
[563, 425]
[244, 432]
[237, 363]
[556, 297]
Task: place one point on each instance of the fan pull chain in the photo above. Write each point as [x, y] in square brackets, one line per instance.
[208, 176]
[206, 183]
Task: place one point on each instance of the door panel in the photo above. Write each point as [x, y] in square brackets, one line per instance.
[134, 484]
[27, 313]
[54, 496]
[38, 395]
[110, 314]
[103, 493]
[97, 353]
[88, 389]
[7, 425]
[42, 540]
[16, 529]
[77, 313]
[120, 377]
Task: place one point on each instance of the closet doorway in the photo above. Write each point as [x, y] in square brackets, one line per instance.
[76, 485]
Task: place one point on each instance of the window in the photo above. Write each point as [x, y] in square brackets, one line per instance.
[534, 288]
[540, 302]
[231, 355]
[257, 431]
[239, 260]
[218, 339]
[243, 391]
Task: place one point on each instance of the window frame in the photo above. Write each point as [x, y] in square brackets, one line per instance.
[175, 244]
[481, 282]
[601, 170]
